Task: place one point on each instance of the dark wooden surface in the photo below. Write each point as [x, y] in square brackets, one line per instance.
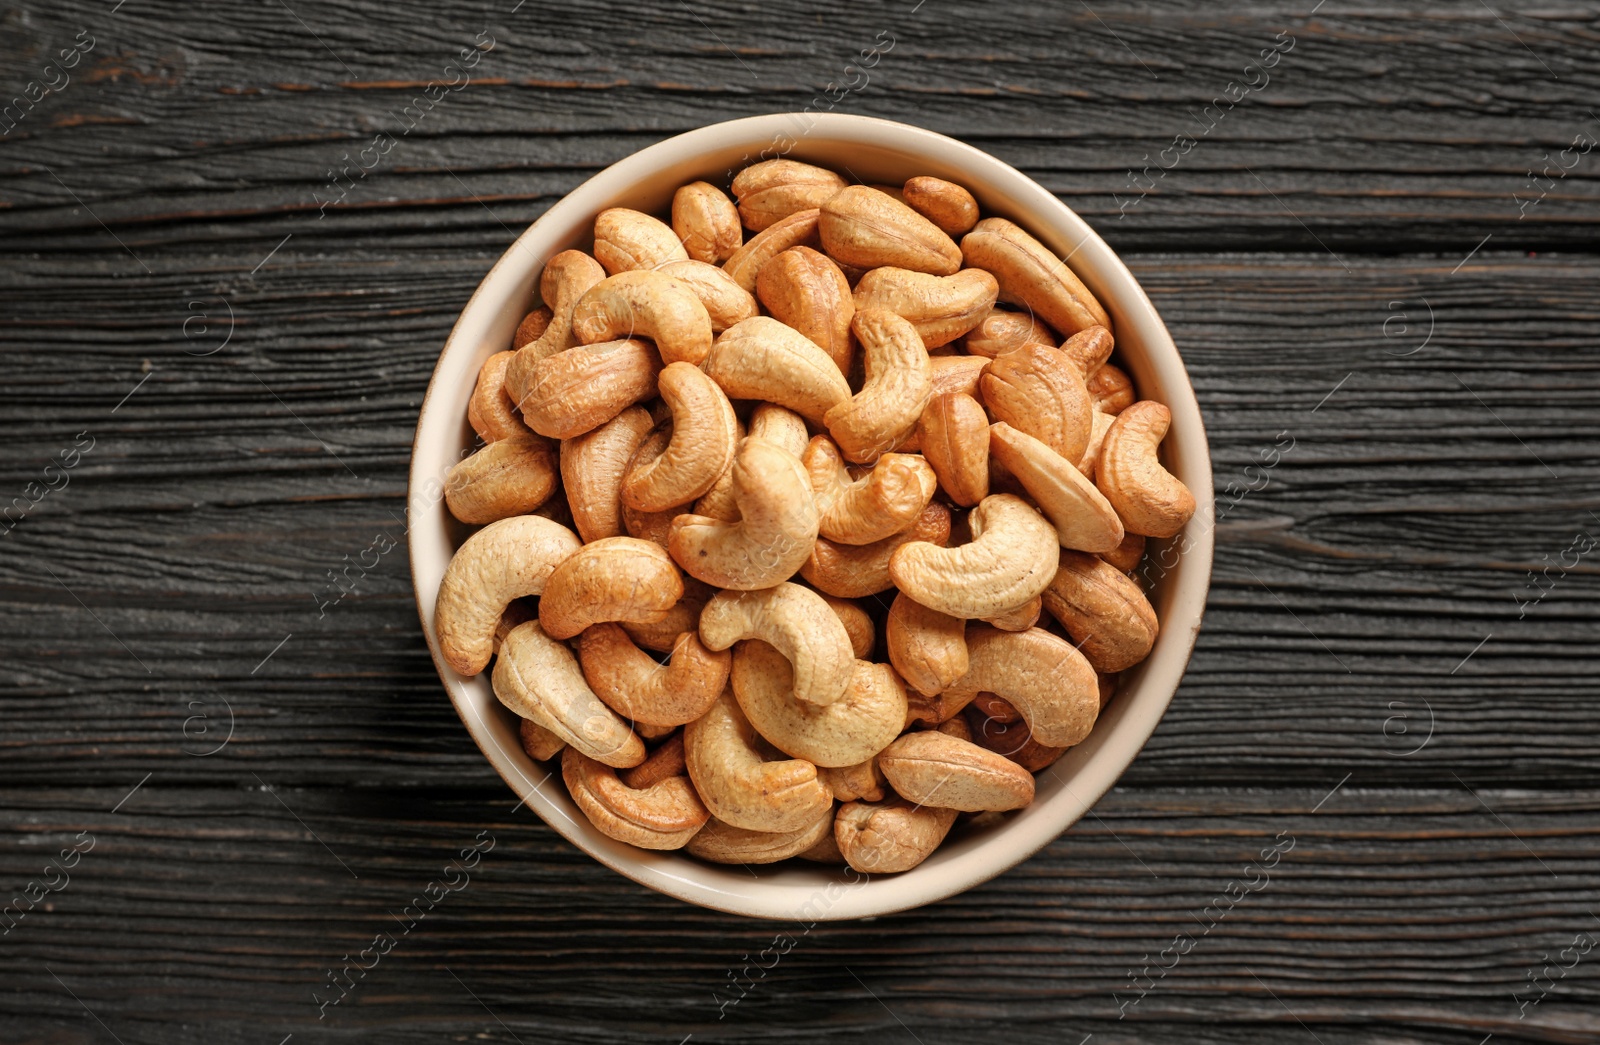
[1343, 258]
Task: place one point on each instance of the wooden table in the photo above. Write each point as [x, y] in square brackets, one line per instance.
[1397, 671]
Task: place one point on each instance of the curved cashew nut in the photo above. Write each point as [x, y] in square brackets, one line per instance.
[781, 427]
[1083, 517]
[1089, 349]
[739, 786]
[725, 844]
[625, 240]
[798, 624]
[928, 648]
[706, 221]
[1111, 389]
[724, 300]
[539, 743]
[592, 469]
[880, 504]
[891, 836]
[899, 383]
[704, 432]
[539, 679]
[957, 374]
[1126, 555]
[946, 204]
[491, 411]
[532, 328]
[761, 358]
[933, 768]
[1018, 618]
[954, 435]
[942, 308]
[1012, 557]
[566, 278]
[633, 684]
[854, 571]
[619, 578]
[1031, 276]
[1002, 330]
[654, 527]
[1103, 610]
[1097, 439]
[850, 730]
[645, 304]
[1150, 499]
[1041, 675]
[1005, 732]
[857, 624]
[503, 561]
[848, 783]
[662, 635]
[664, 815]
[582, 388]
[1036, 390]
[511, 476]
[775, 531]
[774, 189]
[806, 290]
[665, 761]
[867, 228]
[747, 262]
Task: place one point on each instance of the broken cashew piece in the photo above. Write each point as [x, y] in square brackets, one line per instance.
[1150, 499]
[633, 684]
[1031, 276]
[934, 768]
[503, 561]
[850, 730]
[1012, 557]
[741, 787]
[795, 621]
[761, 358]
[941, 308]
[899, 383]
[663, 816]
[615, 579]
[645, 304]
[539, 679]
[1041, 675]
[881, 503]
[891, 836]
[704, 432]
[1084, 518]
[1103, 610]
[511, 476]
[773, 535]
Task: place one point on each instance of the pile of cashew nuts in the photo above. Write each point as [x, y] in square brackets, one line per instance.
[737, 455]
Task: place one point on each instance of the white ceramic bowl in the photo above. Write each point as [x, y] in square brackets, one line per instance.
[871, 150]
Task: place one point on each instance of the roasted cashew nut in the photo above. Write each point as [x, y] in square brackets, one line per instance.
[1002, 330]
[1088, 349]
[1018, 618]
[531, 329]
[725, 844]
[934, 768]
[854, 571]
[763, 359]
[1103, 610]
[946, 204]
[954, 435]
[850, 730]
[881, 503]
[1084, 519]
[941, 308]
[864, 227]
[582, 388]
[704, 432]
[636, 686]
[724, 300]
[1031, 276]
[1035, 389]
[539, 743]
[927, 648]
[798, 623]
[746, 263]
[1150, 499]
[806, 290]
[539, 679]
[706, 221]
[491, 411]
[625, 240]
[889, 836]
[616, 579]
[1042, 676]
[773, 535]
[857, 624]
[663, 816]
[662, 635]
[646, 304]
[511, 476]
[861, 781]
[592, 469]
[566, 278]
[503, 561]
[954, 375]
[899, 383]
[774, 189]
[1012, 557]
[742, 788]
[1111, 389]
[665, 761]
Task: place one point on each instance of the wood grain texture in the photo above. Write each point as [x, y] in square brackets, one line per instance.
[1348, 261]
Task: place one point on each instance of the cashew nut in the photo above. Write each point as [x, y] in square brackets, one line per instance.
[539, 743]
[848, 783]
[854, 571]
[857, 624]
[761, 358]
[655, 527]
[1012, 557]
[927, 648]
[584, 387]
[775, 531]
[899, 383]
[1018, 618]
[850, 730]
[615, 579]
[700, 449]
[725, 844]
[957, 375]
[1036, 390]
[1001, 330]
[944, 203]
[1031, 276]
[625, 240]
[1041, 675]
[646, 304]
[665, 761]
[889, 836]
[1126, 555]
[954, 436]
[1088, 349]
[724, 300]
[864, 227]
[592, 469]
[1103, 610]
[1111, 389]
[664, 815]
[804, 289]
[998, 727]
[634, 685]
[1150, 499]
[933, 768]
[511, 476]
[747, 262]
[503, 561]
[531, 329]
[539, 679]
[566, 278]
[705, 220]
[662, 635]
[1084, 518]
[490, 411]
[880, 504]
[1100, 424]
[942, 308]
[798, 624]
[774, 189]
[741, 787]
[770, 423]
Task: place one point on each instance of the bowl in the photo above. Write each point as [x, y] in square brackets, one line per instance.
[870, 150]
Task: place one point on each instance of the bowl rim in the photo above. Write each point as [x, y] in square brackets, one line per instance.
[899, 892]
